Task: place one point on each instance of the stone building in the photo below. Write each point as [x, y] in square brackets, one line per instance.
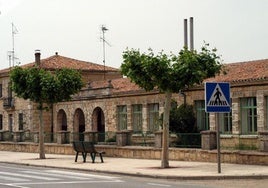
[110, 103]
[19, 117]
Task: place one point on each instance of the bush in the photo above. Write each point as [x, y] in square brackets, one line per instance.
[182, 119]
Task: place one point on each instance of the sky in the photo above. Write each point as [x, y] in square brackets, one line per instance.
[238, 29]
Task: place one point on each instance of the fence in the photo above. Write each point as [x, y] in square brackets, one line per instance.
[181, 140]
[188, 140]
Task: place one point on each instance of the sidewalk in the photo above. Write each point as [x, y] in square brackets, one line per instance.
[140, 167]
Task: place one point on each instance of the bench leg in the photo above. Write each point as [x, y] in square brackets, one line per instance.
[84, 156]
[76, 157]
[101, 157]
[93, 155]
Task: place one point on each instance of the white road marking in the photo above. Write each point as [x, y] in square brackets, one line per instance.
[12, 178]
[69, 182]
[57, 175]
[81, 174]
[11, 185]
[160, 185]
[28, 176]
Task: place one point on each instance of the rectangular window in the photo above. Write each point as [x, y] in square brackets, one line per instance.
[225, 122]
[266, 110]
[137, 117]
[20, 121]
[1, 122]
[202, 118]
[249, 115]
[1, 90]
[122, 117]
[153, 118]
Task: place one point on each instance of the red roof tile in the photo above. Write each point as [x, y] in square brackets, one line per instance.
[235, 72]
[58, 62]
[243, 71]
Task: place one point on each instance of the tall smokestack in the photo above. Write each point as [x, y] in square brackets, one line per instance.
[185, 34]
[191, 33]
[37, 57]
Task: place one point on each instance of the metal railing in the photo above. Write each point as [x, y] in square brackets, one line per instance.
[181, 140]
[188, 140]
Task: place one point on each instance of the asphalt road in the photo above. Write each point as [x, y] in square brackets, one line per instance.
[21, 176]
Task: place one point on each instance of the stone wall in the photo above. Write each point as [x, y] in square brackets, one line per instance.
[238, 157]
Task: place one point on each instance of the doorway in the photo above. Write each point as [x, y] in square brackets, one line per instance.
[99, 123]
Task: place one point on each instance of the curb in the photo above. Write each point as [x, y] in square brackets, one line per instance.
[212, 177]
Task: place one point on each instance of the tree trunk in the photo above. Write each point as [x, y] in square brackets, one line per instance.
[41, 134]
[165, 140]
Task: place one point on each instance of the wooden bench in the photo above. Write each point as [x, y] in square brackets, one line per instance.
[79, 148]
[85, 148]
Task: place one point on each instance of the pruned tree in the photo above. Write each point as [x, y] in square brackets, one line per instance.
[44, 87]
[170, 74]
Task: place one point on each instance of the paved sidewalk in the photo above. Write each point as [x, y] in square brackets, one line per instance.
[140, 167]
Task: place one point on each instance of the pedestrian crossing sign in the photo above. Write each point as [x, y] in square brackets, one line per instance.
[217, 97]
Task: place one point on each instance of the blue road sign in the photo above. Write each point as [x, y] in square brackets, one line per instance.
[217, 97]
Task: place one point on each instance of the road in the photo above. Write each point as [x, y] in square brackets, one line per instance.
[20, 176]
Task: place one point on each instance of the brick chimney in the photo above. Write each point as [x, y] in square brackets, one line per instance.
[37, 57]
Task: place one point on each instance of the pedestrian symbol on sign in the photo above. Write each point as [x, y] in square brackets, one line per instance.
[217, 97]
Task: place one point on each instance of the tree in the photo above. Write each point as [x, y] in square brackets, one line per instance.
[170, 74]
[44, 87]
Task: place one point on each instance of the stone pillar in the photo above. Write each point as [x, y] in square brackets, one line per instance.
[63, 137]
[208, 140]
[91, 136]
[18, 136]
[263, 141]
[36, 137]
[129, 136]
[121, 138]
[4, 135]
[158, 139]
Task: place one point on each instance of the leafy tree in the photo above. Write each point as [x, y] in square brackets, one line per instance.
[170, 74]
[44, 87]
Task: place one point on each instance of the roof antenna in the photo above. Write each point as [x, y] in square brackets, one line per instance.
[104, 29]
[11, 54]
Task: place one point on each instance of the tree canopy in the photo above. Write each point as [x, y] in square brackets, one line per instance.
[170, 74]
[43, 86]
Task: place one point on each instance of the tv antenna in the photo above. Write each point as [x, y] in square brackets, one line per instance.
[11, 54]
[104, 29]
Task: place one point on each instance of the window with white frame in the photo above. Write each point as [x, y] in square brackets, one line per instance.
[225, 122]
[266, 112]
[122, 117]
[137, 117]
[1, 121]
[153, 117]
[248, 115]
[20, 121]
[202, 118]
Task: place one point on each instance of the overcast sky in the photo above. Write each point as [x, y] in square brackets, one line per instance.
[237, 28]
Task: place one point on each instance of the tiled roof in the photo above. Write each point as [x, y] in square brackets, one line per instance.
[235, 72]
[118, 85]
[243, 72]
[124, 85]
[57, 62]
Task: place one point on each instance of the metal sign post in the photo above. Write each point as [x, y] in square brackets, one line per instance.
[217, 99]
[218, 142]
